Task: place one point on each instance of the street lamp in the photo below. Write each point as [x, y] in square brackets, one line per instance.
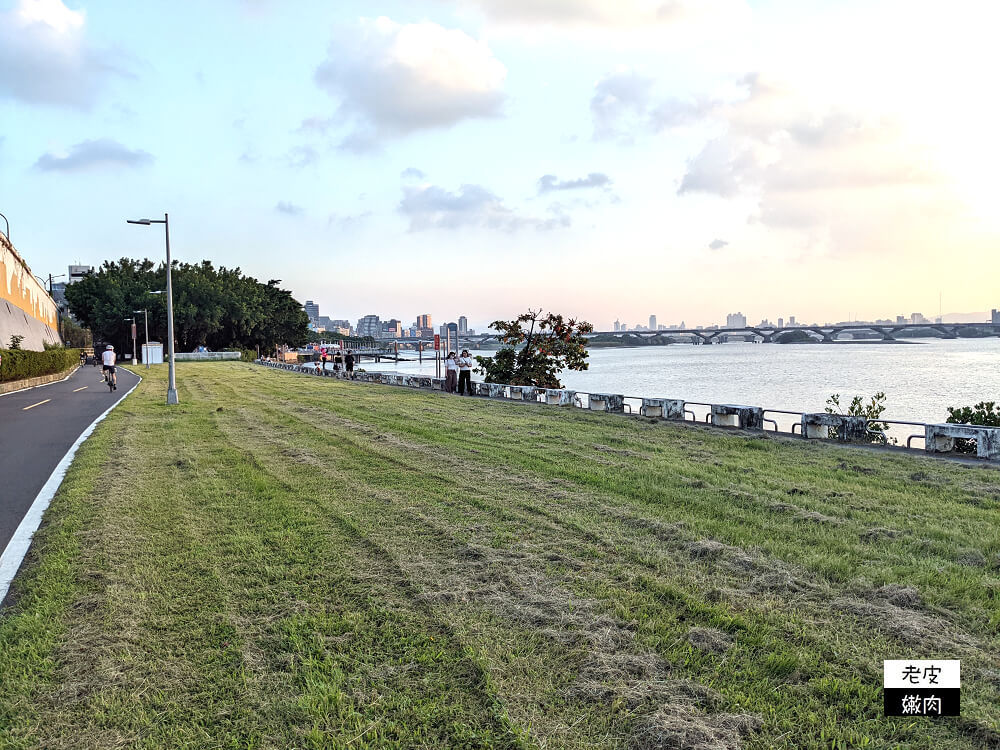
[8, 226]
[172, 380]
[145, 354]
[132, 321]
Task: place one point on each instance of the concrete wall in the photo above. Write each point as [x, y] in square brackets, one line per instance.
[26, 309]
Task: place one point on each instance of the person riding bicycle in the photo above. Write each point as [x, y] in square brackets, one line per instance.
[109, 360]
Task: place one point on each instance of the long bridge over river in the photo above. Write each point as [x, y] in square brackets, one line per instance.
[388, 348]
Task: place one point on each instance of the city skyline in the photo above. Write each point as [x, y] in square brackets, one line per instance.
[495, 156]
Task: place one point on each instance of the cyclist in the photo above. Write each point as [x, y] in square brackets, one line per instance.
[109, 360]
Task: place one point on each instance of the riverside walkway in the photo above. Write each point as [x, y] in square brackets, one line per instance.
[37, 428]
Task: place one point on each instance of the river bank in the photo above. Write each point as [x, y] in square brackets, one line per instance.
[332, 564]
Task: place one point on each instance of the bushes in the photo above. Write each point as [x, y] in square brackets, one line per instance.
[20, 364]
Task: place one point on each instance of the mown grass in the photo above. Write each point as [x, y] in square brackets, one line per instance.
[286, 561]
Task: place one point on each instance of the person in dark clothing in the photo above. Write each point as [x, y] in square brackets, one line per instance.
[349, 363]
[338, 360]
[465, 374]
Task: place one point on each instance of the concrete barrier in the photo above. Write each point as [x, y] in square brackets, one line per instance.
[940, 438]
[850, 429]
[609, 402]
[662, 408]
[559, 396]
[206, 356]
[735, 415]
[523, 393]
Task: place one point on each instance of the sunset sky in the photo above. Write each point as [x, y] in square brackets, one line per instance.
[602, 158]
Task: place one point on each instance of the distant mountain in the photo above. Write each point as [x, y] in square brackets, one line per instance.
[973, 317]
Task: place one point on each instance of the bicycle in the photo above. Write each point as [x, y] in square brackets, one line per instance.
[108, 380]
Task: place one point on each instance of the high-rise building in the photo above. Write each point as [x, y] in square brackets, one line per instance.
[791, 320]
[392, 329]
[618, 326]
[424, 321]
[736, 320]
[312, 311]
[463, 324]
[781, 322]
[76, 273]
[995, 317]
[652, 322]
[370, 325]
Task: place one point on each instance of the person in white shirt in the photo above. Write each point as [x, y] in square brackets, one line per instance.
[109, 359]
[465, 366]
[450, 373]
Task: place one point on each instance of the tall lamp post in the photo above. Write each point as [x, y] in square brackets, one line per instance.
[145, 354]
[132, 321]
[172, 377]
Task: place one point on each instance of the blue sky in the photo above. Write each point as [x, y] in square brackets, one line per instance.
[604, 159]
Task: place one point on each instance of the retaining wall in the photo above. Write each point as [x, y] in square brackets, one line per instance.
[26, 309]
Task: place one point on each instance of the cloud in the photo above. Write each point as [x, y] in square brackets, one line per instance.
[391, 79]
[717, 244]
[471, 206]
[412, 173]
[289, 209]
[103, 152]
[548, 183]
[624, 104]
[349, 221]
[45, 58]
[602, 14]
[300, 157]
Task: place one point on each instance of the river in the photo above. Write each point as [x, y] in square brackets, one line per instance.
[920, 379]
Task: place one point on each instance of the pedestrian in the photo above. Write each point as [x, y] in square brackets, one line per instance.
[338, 361]
[465, 374]
[349, 363]
[322, 357]
[450, 373]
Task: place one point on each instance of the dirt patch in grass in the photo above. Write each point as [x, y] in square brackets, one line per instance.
[710, 640]
[680, 727]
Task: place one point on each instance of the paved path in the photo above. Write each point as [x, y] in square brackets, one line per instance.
[37, 427]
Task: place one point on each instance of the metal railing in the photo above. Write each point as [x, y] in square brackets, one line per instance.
[875, 428]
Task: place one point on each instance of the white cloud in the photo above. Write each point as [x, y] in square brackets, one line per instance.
[45, 58]
[625, 104]
[392, 79]
[605, 14]
[717, 244]
[103, 152]
[549, 182]
[471, 206]
[289, 209]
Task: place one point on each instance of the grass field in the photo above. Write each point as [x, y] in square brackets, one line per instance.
[284, 561]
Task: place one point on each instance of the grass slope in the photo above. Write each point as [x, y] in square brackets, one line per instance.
[284, 561]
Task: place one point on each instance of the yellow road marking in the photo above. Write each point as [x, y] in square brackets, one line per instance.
[81, 389]
[38, 404]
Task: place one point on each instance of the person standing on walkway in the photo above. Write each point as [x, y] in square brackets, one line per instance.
[322, 357]
[465, 374]
[349, 363]
[450, 373]
[338, 360]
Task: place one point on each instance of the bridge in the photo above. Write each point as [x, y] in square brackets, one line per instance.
[826, 333]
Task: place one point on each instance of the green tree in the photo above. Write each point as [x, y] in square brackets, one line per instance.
[984, 413]
[217, 308]
[858, 408]
[536, 348]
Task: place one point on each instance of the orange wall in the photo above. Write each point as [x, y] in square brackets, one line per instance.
[19, 287]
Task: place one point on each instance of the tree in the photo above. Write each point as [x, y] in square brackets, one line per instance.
[217, 308]
[984, 413]
[858, 408]
[537, 347]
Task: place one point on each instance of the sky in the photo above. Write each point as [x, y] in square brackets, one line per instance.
[606, 159]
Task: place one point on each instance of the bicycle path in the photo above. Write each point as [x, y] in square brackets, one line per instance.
[37, 428]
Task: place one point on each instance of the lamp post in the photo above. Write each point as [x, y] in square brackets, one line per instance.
[172, 379]
[145, 354]
[132, 321]
[8, 226]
